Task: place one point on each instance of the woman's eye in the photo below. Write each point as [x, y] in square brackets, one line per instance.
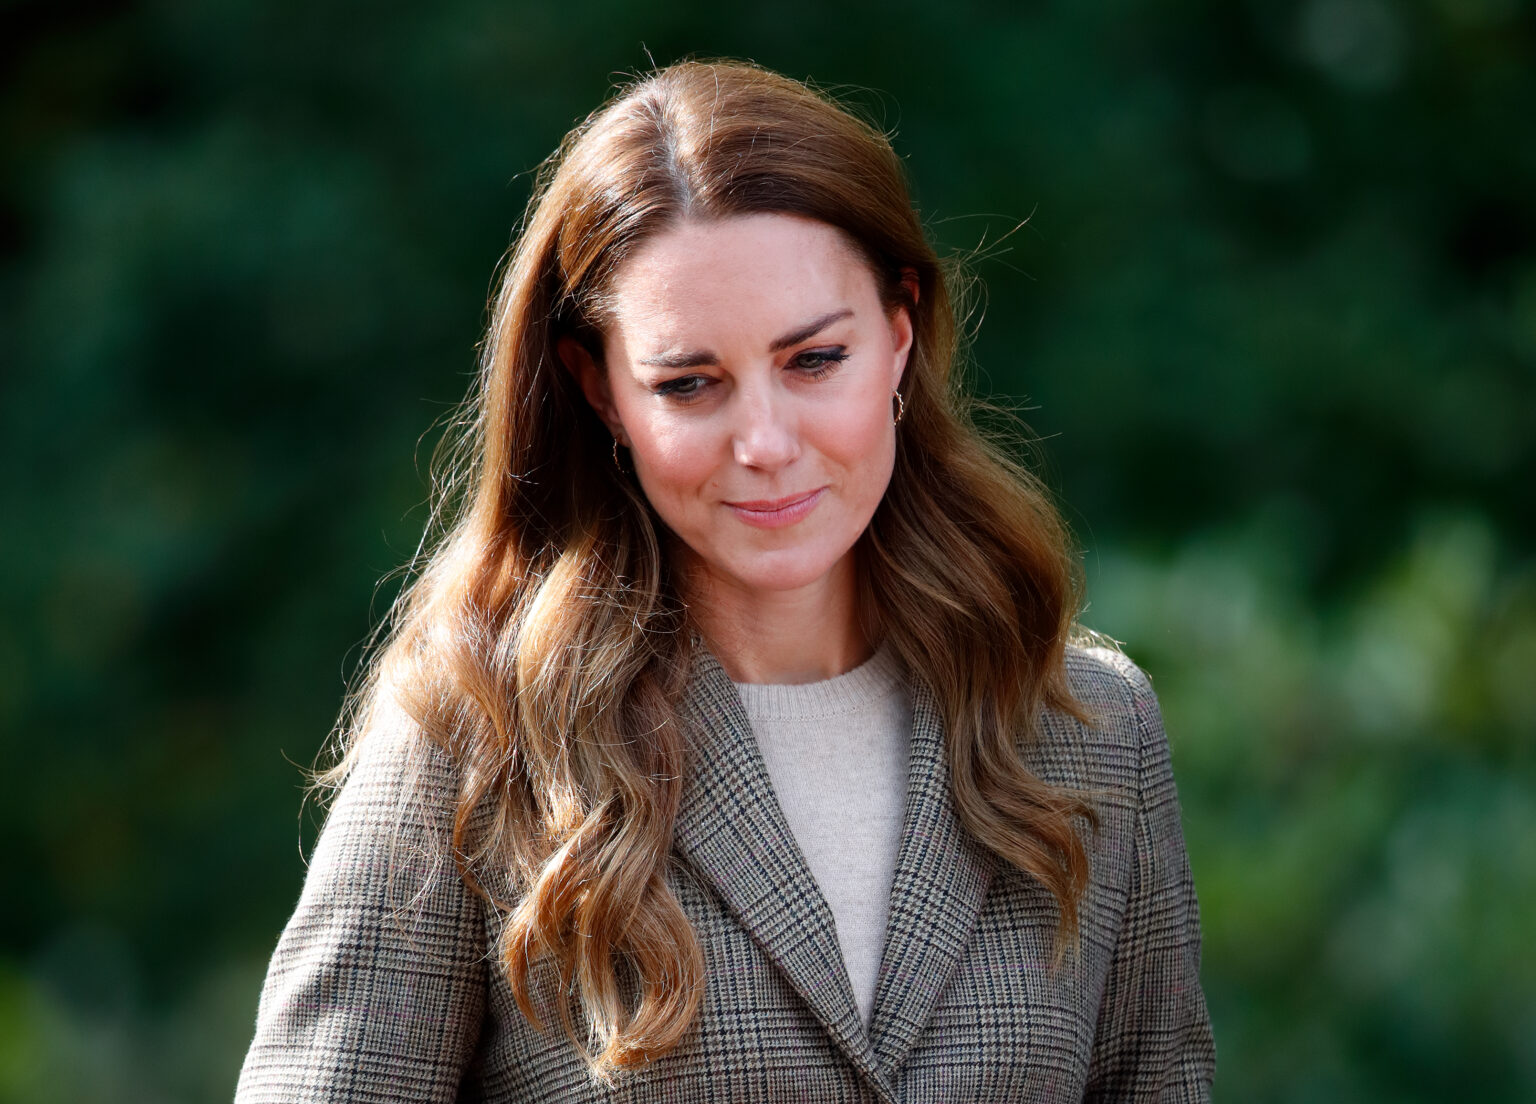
[818, 362]
[684, 387]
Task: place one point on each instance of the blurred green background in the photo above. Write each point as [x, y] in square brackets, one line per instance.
[1273, 311]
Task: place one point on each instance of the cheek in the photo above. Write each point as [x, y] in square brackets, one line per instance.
[863, 429]
[673, 460]
[861, 441]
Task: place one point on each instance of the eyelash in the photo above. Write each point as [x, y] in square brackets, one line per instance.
[825, 360]
[676, 389]
[822, 363]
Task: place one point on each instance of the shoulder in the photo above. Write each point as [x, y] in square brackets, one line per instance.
[1123, 720]
[392, 757]
[391, 819]
[394, 771]
[1112, 687]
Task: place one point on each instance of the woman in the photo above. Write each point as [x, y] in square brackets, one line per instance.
[734, 744]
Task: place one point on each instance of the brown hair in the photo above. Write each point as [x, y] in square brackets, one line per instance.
[544, 643]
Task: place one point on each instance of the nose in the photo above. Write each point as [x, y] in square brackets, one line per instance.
[764, 436]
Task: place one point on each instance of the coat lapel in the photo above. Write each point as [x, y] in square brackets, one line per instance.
[732, 829]
[942, 876]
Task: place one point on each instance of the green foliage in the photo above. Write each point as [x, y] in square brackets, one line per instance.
[1265, 270]
[1360, 802]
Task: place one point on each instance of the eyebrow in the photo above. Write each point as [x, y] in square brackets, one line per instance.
[777, 345]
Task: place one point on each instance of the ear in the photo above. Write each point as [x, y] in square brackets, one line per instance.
[901, 341]
[593, 382]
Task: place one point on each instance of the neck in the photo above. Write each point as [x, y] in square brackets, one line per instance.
[784, 637]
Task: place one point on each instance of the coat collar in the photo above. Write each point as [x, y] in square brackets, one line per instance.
[731, 827]
[941, 882]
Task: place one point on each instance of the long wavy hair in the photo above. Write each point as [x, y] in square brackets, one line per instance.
[544, 643]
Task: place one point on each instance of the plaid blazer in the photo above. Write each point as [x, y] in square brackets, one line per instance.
[384, 985]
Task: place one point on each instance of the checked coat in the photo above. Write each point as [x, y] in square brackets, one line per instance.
[385, 986]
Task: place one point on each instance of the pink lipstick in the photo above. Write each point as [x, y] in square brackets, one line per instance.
[774, 513]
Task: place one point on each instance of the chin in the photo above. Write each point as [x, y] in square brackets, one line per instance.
[786, 570]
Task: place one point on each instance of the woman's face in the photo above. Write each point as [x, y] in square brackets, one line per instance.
[750, 366]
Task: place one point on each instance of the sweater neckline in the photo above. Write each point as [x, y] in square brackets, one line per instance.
[871, 681]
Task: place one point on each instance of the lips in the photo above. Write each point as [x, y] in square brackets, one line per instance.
[771, 513]
[768, 505]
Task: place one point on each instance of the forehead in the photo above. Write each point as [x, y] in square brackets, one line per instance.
[737, 276]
